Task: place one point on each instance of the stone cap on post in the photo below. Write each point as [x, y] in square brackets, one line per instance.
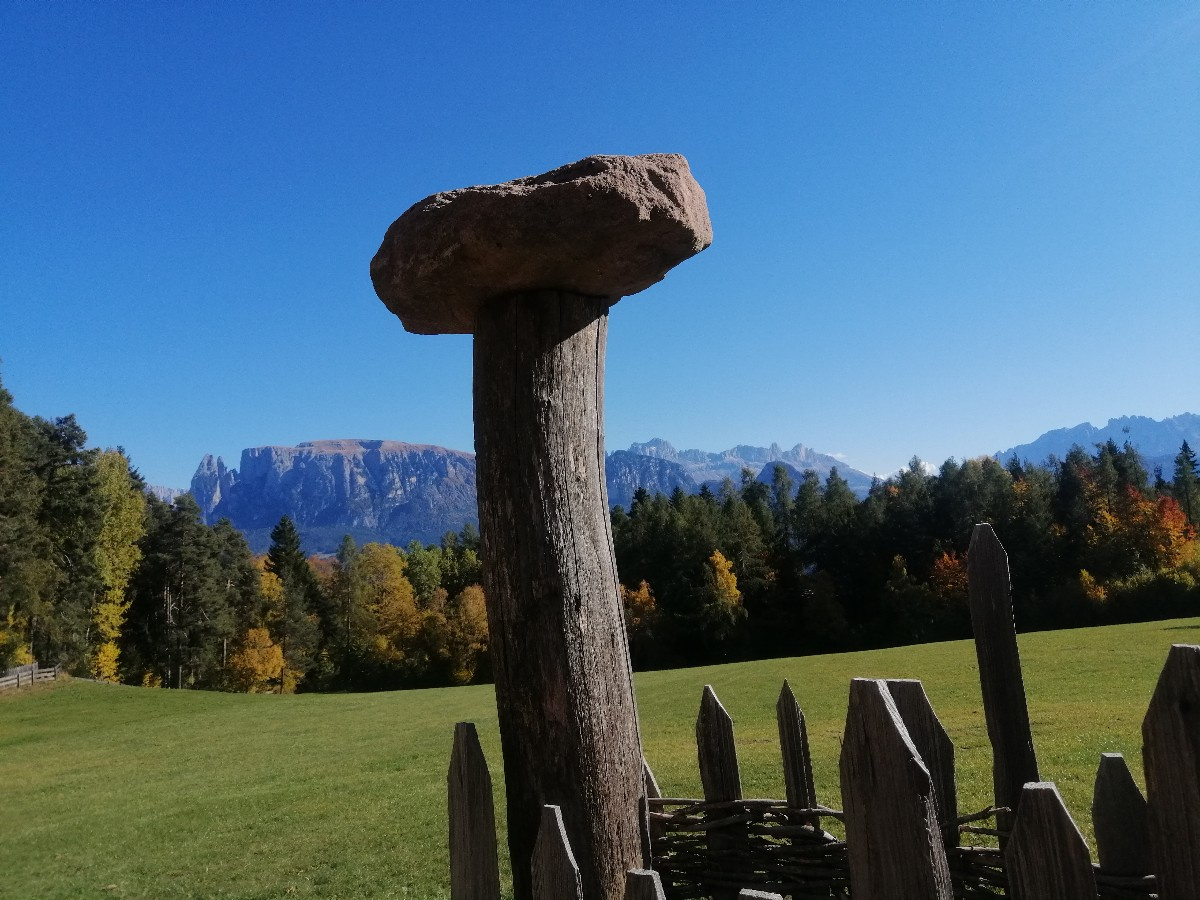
[605, 226]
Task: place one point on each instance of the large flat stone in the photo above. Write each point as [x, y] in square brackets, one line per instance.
[605, 226]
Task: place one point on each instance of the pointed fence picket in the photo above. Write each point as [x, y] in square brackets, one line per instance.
[555, 872]
[904, 836]
[1119, 819]
[1046, 855]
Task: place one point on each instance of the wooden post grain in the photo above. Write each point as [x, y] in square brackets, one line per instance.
[893, 837]
[797, 761]
[1046, 856]
[554, 872]
[721, 779]
[1171, 755]
[564, 687]
[474, 863]
[934, 746]
[643, 884]
[1014, 762]
[1119, 818]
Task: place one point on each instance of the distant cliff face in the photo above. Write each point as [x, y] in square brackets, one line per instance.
[376, 490]
[395, 492]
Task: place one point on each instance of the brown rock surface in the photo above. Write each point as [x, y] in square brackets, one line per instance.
[605, 226]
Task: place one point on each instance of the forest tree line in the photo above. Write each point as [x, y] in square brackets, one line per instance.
[762, 570]
[114, 584]
[117, 585]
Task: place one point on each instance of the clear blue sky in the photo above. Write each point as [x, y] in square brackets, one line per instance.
[940, 229]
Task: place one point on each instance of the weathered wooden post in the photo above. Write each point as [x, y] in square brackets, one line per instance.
[643, 884]
[935, 747]
[1119, 819]
[1046, 856]
[797, 761]
[893, 836]
[531, 268]
[553, 868]
[1014, 763]
[721, 779]
[474, 865]
[1171, 755]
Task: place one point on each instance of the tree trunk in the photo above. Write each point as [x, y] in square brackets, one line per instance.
[564, 689]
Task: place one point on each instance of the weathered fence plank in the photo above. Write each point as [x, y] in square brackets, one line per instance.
[555, 872]
[643, 884]
[1171, 755]
[934, 746]
[716, 750]
[1014, 762]
[1119, 817]
[721, 778]
[1046, 856]
[797, 761]
[893, 838]
[474, 863]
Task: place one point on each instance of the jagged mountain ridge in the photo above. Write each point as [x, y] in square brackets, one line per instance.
[397, 492]
[708, 468]
[1156, 440]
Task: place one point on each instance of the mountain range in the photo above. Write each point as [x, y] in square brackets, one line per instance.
[397, 492]
[1156, 440]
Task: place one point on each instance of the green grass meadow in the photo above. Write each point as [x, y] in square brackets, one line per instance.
[131, 792]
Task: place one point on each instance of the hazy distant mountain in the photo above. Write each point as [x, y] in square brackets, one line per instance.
[1157, 441]
[396, 492]
[165, 494]
[713, 468]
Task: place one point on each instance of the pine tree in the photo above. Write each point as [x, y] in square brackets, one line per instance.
[296, 622]
[26, 573]
[1186, 484]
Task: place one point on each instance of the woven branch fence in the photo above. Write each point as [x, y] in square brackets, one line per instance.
[904, 837]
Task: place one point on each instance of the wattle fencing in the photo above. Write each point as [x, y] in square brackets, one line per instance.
[904, 837]
[27, 676]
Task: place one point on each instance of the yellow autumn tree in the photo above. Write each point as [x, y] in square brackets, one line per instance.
[722, 610]
[271, 588]
[258, 663]
[467, 633]
[641, 617]
[122, 524]
[390, 603]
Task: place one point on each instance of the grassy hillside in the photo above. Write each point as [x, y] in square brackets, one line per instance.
[130, 792]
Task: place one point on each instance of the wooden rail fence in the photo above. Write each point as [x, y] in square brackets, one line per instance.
[27, 676]
[904, 838]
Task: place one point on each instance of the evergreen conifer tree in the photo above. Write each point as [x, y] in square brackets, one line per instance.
[1186, 484]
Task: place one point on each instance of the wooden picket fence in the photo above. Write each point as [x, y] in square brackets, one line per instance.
[904, 838]
[27, 676]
